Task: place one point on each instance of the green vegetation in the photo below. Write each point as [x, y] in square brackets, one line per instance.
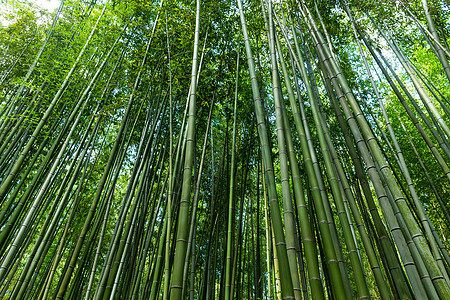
[216, 149]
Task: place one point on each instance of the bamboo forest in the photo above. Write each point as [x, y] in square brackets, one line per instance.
[225, 149]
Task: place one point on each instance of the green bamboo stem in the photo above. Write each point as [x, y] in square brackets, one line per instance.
[231, 199]
[403, 291]
[168, 219]
[306, 230]
[338, 198]
[286, 194]
[298, 59]
[182, 229]
[317, 188]
[268, 239]
[286, 281]
[440, 284]
[193, 221]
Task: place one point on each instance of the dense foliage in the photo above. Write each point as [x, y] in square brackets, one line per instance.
[225, 150]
